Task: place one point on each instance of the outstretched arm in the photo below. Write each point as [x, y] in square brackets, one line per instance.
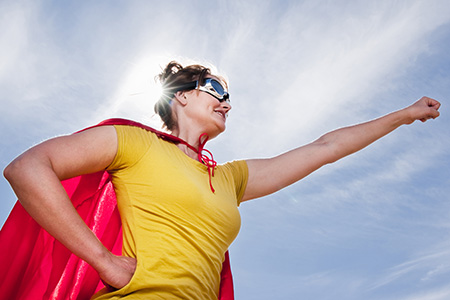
[267, 176]
[35, 178]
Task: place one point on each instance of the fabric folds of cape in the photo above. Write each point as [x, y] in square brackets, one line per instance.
[36, 266]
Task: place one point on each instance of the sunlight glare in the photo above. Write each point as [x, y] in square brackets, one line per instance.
[139, 92]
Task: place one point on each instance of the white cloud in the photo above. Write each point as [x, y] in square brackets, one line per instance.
[437, 294]
[424, 271]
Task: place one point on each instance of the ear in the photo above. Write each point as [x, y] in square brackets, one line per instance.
[181, 98]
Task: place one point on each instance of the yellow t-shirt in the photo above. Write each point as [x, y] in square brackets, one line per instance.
[176, 228]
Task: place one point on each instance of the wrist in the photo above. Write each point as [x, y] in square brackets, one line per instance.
[403, 117]
[100, 259]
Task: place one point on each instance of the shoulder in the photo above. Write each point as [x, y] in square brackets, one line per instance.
[235, 171]
[235, 166]
[134, 134]
[132, 144]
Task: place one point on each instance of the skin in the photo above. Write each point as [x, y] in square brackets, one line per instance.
[36, 174]
[196, 113]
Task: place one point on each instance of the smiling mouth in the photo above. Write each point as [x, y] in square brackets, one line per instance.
[223, 115]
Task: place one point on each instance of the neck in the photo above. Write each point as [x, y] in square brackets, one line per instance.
[189, 130]
[192, 138]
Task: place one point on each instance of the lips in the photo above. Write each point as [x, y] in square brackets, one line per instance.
[222, 114]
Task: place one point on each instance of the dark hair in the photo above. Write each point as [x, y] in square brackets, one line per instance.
[172, 78]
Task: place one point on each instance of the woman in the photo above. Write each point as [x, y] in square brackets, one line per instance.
[178, 209]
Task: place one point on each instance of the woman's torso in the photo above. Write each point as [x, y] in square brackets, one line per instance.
[176, 228]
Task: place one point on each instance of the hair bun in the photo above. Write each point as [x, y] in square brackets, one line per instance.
[171, 69]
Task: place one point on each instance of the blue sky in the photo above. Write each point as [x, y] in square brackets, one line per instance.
[375, 225]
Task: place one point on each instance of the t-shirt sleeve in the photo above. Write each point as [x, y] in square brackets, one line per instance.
[132, 144]
[239, 171]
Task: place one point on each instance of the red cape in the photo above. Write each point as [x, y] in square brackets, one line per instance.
[36, 266]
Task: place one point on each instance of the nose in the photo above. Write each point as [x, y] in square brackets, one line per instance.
[226, 106]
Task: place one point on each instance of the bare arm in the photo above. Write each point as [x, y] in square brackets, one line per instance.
[270, 175]
[35, 178]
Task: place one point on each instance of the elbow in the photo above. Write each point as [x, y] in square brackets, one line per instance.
[20, 168]
[7, 172]
[19, 174]
[12, 171]
[335, 154]
[329, 148]
[28, 166]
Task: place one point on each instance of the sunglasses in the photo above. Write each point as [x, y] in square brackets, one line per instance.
[211, 86]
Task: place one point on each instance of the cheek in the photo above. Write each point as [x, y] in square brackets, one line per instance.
[206, 103]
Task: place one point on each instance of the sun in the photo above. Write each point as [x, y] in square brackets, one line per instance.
[138, 92]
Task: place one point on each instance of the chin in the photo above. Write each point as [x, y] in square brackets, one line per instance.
[217, 131]
[222, 128]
